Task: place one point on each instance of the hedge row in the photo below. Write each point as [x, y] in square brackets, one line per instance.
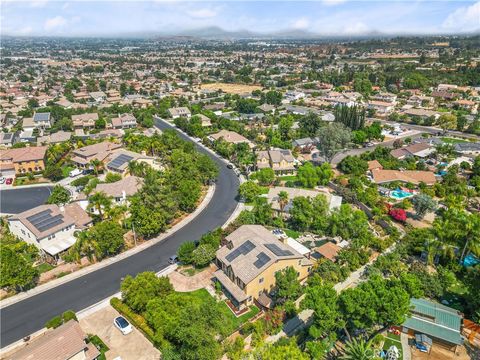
[137, 320]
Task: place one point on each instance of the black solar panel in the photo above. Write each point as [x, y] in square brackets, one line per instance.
[119, 161]
[44, 220]
[243, 249]
[277, 250]
[262, 259]
[50, 223]
[39, 217]
[41, 117]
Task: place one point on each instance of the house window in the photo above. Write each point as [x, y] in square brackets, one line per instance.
[23, 232]
[260, 280]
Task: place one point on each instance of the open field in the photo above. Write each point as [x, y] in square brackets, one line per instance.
[231, 88]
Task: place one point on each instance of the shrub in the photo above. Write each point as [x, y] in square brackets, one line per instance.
[54, 322]
[69, 315]
[398, 214]
[61, 319]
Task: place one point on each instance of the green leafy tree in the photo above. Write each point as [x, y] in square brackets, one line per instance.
[282, 199]
[447, 122]
[185, 252]
[249, 190]
[59, 196]
[203, 254]
[310, 124]
[323, 300]
[16, 272]
[353, 165]
[423, 204]
[101, 202]
[288, 286]
[325, 173]
[139, 290]
[281, 351]
[109, 237]
[333, 138]
[264, 176]
[307, 175]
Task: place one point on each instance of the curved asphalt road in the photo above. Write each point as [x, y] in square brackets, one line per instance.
[25, 317]
[16, 200]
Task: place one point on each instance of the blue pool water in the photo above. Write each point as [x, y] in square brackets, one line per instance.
[400, 194]
[470, 260]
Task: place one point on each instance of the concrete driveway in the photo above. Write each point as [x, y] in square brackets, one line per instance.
[133, 346]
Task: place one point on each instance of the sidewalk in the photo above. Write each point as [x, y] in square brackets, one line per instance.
[41, 288]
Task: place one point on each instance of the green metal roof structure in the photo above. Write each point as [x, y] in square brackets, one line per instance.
[436, 320]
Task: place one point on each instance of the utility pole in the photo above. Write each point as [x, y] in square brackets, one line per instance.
[134, 233]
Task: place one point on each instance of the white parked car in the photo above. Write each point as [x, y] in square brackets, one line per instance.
[2, 179]
[123, 325]
[75, 172]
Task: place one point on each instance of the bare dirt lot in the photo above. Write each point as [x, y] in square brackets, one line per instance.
[231, 88]
[440, 353]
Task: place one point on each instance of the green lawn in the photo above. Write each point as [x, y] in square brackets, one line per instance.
[390, 340]
[44, 267]
[203, 295]
[288, 178]
[292, 233]
[100, 345]
[453, 140]
[239, 321]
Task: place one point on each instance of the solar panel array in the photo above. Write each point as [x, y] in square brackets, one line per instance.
[41, 117]
[243, 249]
[262, 259]
[44, 220]
[119, 161]
[277, 250]
[7, 136]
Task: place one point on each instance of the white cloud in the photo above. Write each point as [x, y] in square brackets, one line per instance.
[38, 3]
[65, 6]
[357, 28]
[55, 23]
[301, 23]
[466, 18]
[204, 13]
[333, 2]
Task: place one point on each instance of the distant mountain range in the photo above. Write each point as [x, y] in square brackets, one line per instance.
[217, 33]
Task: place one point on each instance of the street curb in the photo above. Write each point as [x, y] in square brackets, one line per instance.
[51, 284]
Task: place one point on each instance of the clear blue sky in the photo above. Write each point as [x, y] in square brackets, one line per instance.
[76, 18]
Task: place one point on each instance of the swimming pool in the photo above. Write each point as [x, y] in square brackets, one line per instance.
[470, 260]
[400, 194]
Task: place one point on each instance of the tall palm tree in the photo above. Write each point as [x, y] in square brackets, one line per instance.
[97, 165]
[101, 202]
[358, 350]
[85, 245]
[282, 199]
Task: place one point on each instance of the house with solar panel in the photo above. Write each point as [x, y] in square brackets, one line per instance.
[83, 156]
[248, 263]
[438, 322]
[50, 227]
[43, 120]
[119, 160]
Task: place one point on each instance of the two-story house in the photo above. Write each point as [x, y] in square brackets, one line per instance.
[82, 157]
[180, 112]
[281, 161]
[43, 120]
[24, 160]
[248, 263]
[50, 227]
[124, 121]
[84, 121]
